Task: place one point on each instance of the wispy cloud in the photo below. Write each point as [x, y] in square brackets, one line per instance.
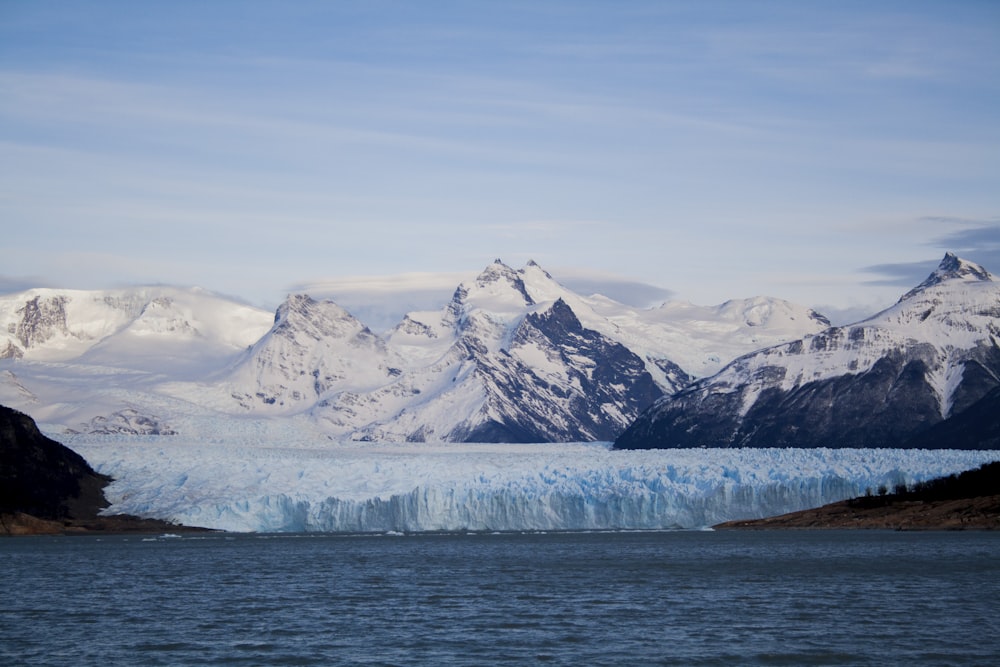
[902, 274]
[381, 301]
[977, 241]
[624, 290]
[377, 285]
[11, 284]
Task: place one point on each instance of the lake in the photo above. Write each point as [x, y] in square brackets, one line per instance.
[635, 598]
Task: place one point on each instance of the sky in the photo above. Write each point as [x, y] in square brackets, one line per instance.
[825, 153]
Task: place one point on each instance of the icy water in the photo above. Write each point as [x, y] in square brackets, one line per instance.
[681, 598]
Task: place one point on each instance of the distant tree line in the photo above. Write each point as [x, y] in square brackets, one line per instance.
[982, 481]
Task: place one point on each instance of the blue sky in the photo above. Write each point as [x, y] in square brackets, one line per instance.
[827, 153]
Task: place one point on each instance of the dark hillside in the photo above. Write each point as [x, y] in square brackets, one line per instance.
[40, 477]
[976, 427]
[983, 481]
[47, 488]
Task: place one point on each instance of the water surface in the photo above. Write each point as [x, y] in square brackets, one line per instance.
[668, 598]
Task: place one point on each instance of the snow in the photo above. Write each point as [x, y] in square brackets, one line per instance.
[943, 322]
[126, 327]
[170, 352]
[238, 482]
[700, 339]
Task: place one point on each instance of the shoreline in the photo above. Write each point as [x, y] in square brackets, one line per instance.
[19, 524]
[877, 513]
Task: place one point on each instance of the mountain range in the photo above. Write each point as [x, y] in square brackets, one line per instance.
[514, 356]
[924, 373]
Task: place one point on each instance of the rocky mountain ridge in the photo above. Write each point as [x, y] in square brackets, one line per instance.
[513, 357]
[882, 382]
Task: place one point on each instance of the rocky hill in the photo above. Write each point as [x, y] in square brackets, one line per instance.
[41, 477]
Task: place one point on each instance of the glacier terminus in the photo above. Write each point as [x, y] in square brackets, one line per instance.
[236, 484]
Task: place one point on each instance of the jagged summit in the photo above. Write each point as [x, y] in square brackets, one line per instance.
[951, 268]
[532, 266]
[319, 318]
[498, 272]
[497, 289]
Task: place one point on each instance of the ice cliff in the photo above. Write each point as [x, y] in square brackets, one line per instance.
[380, 487]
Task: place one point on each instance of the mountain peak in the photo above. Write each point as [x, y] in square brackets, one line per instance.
[534, 267]
[498, 278]
[301, 312]
[951, 268]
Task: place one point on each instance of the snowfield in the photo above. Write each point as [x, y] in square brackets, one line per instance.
[236, 484]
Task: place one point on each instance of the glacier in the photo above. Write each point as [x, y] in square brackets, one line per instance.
[236, 484]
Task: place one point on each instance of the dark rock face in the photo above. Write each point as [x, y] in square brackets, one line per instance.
[893, 404]
[980, 376]
[41, 319]
[48, 489]
[882, 407]
[976, 427]
[40, 477]
[595, 386]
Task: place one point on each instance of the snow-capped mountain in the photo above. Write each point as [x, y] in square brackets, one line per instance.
[883, 382]
[313, 348]
[126, 328]
[514, 356]
[493, 365]
[94, 361]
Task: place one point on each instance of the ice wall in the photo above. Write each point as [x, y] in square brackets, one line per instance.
[370, 487]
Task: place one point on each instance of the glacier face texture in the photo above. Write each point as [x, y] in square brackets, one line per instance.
[414, 487]
[883, 382]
